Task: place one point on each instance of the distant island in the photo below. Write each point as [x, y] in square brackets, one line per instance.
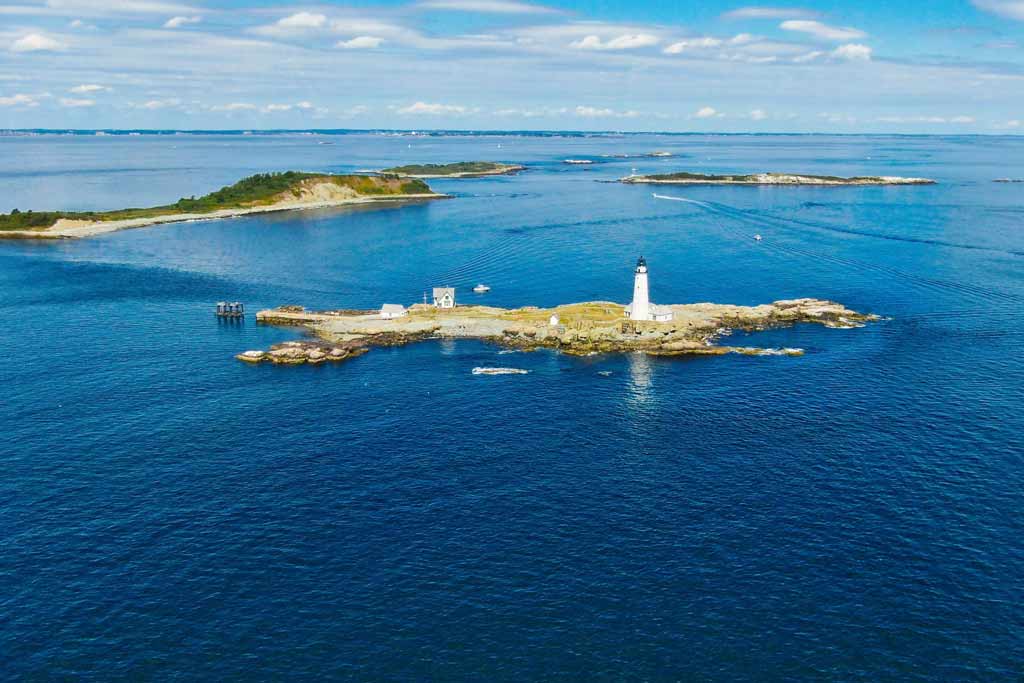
[459, 169]
[685, 178]
[577, 329]
[261, 193]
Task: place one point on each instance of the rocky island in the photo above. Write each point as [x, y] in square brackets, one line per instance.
[578, 329]
[686, 178]
[461, 169]
[260, 193]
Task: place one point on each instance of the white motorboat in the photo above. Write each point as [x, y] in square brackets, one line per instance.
[500, 371]
[480, 289]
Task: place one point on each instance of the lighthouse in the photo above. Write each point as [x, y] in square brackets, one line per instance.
[642, 308]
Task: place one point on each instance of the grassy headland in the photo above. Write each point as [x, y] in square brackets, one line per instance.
[266, 190]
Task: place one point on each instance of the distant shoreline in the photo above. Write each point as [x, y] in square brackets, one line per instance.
[685, 178]
[420, 132]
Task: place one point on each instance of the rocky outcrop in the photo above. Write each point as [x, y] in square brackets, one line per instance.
[583, 329]
[304, 352]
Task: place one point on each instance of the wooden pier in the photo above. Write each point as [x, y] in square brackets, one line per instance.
[230, 309]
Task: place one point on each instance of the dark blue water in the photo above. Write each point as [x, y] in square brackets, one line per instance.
[852, 515]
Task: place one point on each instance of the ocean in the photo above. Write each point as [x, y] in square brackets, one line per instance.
[854, 514]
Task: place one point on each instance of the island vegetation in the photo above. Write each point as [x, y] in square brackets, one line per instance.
[688, 178]
[460, 169]
[261, 192]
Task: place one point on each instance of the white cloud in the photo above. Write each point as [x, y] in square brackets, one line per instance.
[925, 119]
[758, 115]
[807, 57]
[19, 100]
[487, 6]
[532, 113]
[822, 31]
[36, 42]
[360, 43]
[706, 113]
[303, 20]
[838, 118]
[432, 109]
[274, 108]
[235, 106]
[294, 24]
[88, 88]
[153, 105]
[1011, 9]
[75, 102]
[853, 52]
[95, 8]
[1015, 123]
[595, 112]
[769, 13]
[178, 22]
[105, 7]
[692, 44]
[623, 42]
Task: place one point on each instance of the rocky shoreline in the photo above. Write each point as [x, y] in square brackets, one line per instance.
[576, 329]
[476, 169]
[768, 179]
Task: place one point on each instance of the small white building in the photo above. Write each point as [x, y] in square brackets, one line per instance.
[444, 297]
[392, 311]
[553, 320]
[641, 308]
[662, 314]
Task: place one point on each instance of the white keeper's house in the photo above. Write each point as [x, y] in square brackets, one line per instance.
[641, 308]
[444, 297]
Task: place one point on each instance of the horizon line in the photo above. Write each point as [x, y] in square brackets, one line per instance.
[4, 132]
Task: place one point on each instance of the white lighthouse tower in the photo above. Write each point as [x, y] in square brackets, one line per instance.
[642, 308]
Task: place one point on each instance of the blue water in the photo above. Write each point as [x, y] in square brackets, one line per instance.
[850, 515]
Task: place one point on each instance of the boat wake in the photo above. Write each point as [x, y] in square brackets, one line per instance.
[968, 290]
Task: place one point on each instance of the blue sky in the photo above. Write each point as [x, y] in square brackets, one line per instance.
[938, 66]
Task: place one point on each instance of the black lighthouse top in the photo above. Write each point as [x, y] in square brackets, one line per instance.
[642, 263]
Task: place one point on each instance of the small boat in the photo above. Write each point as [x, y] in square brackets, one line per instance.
[578, 162]
[500, 371]
[480, 289]
[757, 238]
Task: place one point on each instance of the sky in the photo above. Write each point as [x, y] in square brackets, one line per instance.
[848, 66]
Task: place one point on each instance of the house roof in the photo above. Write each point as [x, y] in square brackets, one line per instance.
[657, 309]
[439, 292]
[392, 308]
